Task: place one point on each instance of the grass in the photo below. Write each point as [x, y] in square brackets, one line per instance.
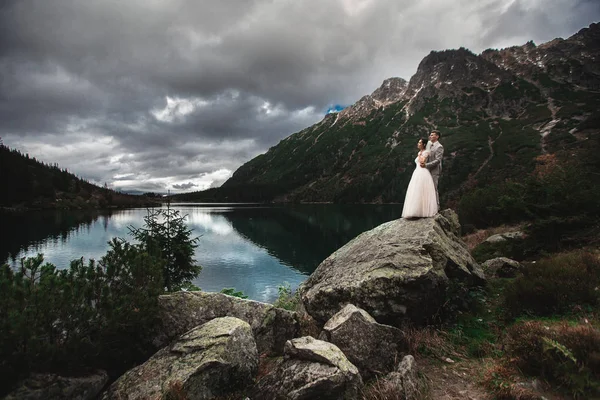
[503, 381]
[556, 285]
[560, 353]
[558, 348]
[384, 389]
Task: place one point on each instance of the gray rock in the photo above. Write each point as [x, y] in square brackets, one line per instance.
[451, 223]
[311, 369]
[182, 311]
[55, 387]
[503, 237]
[502, 267]
[398, 270]
[374, 348]
[405, 379]
[213, 359]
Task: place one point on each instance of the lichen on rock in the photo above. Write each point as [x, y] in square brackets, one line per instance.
[397, 271]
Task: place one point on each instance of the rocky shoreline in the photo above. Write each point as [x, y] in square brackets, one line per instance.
[358, 301]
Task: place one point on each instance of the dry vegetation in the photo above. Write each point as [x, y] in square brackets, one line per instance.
[472, 240]
[532, 336]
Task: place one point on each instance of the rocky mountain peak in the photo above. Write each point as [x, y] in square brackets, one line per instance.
[500, 109]
[574, 60]
[391, 91]
[589, 35]
[445, 73]
[454, 69]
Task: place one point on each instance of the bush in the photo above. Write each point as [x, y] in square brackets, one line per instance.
[516, 249]
[559, 200]
[555, 285]
[286, 299]
[495, 205]
[94, 315]
[561, 353]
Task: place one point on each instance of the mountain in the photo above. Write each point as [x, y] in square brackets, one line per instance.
[29, 183]
[498, 111]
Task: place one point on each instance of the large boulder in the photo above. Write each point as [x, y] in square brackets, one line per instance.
[311, 369]
[56, 387]
[210, 360]
[398, 270]
[502, 267]
[374, 348]
[182, 311]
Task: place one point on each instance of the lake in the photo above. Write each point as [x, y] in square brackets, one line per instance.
[253, 248]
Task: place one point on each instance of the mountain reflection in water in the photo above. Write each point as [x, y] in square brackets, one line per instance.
[253, 248]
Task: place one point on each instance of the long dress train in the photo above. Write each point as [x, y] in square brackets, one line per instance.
[420, 200]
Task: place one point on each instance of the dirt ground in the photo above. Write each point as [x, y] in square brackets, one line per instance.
[461, 380]
[454, 381]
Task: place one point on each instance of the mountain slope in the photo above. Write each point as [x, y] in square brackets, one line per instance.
[29, 183]
[497, 112]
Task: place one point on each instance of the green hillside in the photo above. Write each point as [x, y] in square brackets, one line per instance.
[498, 112]
[29, 183]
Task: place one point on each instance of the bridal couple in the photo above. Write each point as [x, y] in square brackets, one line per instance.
[422, 198]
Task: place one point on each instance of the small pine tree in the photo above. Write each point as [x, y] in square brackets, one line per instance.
[165, 235]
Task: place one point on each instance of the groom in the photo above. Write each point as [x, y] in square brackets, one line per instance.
[435, 165]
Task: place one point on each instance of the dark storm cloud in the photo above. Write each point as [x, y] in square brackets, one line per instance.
[156, 94]
[539, 21]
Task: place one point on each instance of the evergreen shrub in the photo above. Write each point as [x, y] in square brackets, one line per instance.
[92, 315]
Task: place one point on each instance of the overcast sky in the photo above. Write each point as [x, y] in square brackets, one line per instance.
[176, 94]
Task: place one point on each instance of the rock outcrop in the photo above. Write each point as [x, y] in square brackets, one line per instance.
[405, 379]
[312, 369]
[503, 237]
[55, 387]
[502, 267]
[182, 311]
[398, 270]
[213, 359]
[373, 348]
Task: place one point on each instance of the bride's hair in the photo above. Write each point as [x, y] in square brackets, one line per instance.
[424, 142]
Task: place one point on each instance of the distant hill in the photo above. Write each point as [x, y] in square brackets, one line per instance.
[498, 112]
[29, 183]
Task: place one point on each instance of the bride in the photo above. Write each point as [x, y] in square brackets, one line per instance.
[420, 198]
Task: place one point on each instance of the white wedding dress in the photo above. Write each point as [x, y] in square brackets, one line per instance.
[420, 200]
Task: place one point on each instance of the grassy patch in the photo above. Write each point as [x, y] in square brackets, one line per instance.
[556, 285]
[562, 353]
[384, 389]
[429, 342]
[511, 248]
[503, 380]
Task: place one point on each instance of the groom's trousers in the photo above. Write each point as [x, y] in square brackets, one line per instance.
[436, 178]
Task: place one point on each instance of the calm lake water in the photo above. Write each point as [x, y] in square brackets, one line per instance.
[253, 248]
